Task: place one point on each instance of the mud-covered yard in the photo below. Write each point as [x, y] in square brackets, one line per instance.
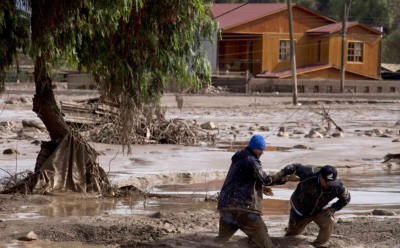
[193, 227]
[371, 127]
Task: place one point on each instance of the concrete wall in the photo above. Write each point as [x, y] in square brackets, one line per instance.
[238, 84]
[324, 86]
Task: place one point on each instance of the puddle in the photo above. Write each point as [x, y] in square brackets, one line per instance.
[48, 244]
[64, 206]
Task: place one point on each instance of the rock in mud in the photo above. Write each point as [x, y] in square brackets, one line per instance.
[314, 134]
[10, 151]
[283, 134]
[208, 125]
[382, 212]
[156, 215]
[29, 237]
[264, 128]
[301, 147]
[338, 135]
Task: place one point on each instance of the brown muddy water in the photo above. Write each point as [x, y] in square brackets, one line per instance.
[195, 173]
[373, 189]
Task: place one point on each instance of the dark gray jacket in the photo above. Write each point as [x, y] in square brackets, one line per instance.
[309, 197]
[242, 189]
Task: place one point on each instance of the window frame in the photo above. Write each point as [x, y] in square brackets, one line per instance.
[284, 55]
[355, 54]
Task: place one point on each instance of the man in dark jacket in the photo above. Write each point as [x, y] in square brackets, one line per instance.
[317, 187]
[241, 197]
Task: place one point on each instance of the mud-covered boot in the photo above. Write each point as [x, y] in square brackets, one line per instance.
[318, 244]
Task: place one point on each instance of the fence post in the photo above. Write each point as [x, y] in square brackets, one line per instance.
[247, 82]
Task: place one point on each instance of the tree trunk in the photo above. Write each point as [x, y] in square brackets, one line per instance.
[44, 103]
[71, 165]
[18, 67]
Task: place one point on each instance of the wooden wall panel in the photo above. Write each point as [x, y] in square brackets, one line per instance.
[310, 50]
[278, 23]
[370, 65]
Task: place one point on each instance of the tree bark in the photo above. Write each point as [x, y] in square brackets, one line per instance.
[78, 171]
[45, 105]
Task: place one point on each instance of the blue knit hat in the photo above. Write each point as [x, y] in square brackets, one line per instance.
[257, 142]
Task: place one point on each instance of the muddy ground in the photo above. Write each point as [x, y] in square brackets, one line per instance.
[193, 227]
[371, 130]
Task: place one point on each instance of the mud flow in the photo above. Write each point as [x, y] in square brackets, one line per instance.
[376, 189]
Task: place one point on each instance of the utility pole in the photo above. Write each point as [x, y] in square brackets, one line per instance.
[292, 53]
[342, 69]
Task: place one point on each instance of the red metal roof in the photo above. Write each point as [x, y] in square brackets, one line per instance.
[302, 70]
[229, 15]
[288, 73]
[331, 28]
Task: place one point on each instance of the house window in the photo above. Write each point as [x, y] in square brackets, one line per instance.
[284, 50]
[316, 88]
[366, 89]
[355, 52]
[329, 89]
[379, 90]
[300, 88]
[392, 89]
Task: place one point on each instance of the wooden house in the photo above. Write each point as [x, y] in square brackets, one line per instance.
[255, 38]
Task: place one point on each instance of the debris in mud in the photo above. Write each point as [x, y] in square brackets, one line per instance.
[96, 121]
[326, 117]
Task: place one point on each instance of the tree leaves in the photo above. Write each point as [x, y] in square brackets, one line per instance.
[14, 35]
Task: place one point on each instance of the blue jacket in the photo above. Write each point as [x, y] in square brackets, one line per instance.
[309, 197]
[242, 189]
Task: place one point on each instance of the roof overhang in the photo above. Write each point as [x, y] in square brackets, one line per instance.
[232, 17]
[337, 27]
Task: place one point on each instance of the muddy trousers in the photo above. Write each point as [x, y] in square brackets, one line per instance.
[325, 223]
[249, 223]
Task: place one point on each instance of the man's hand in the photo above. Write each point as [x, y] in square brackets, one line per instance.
[268, 191]
[279, 178]
[293, 177]
[328, 212]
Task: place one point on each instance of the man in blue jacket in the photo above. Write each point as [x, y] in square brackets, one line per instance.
[241, 197]
[317, 187]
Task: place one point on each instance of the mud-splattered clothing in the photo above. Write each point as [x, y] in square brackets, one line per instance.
[240, 200]
[242, 189]
[308, 201]
[309, 197]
